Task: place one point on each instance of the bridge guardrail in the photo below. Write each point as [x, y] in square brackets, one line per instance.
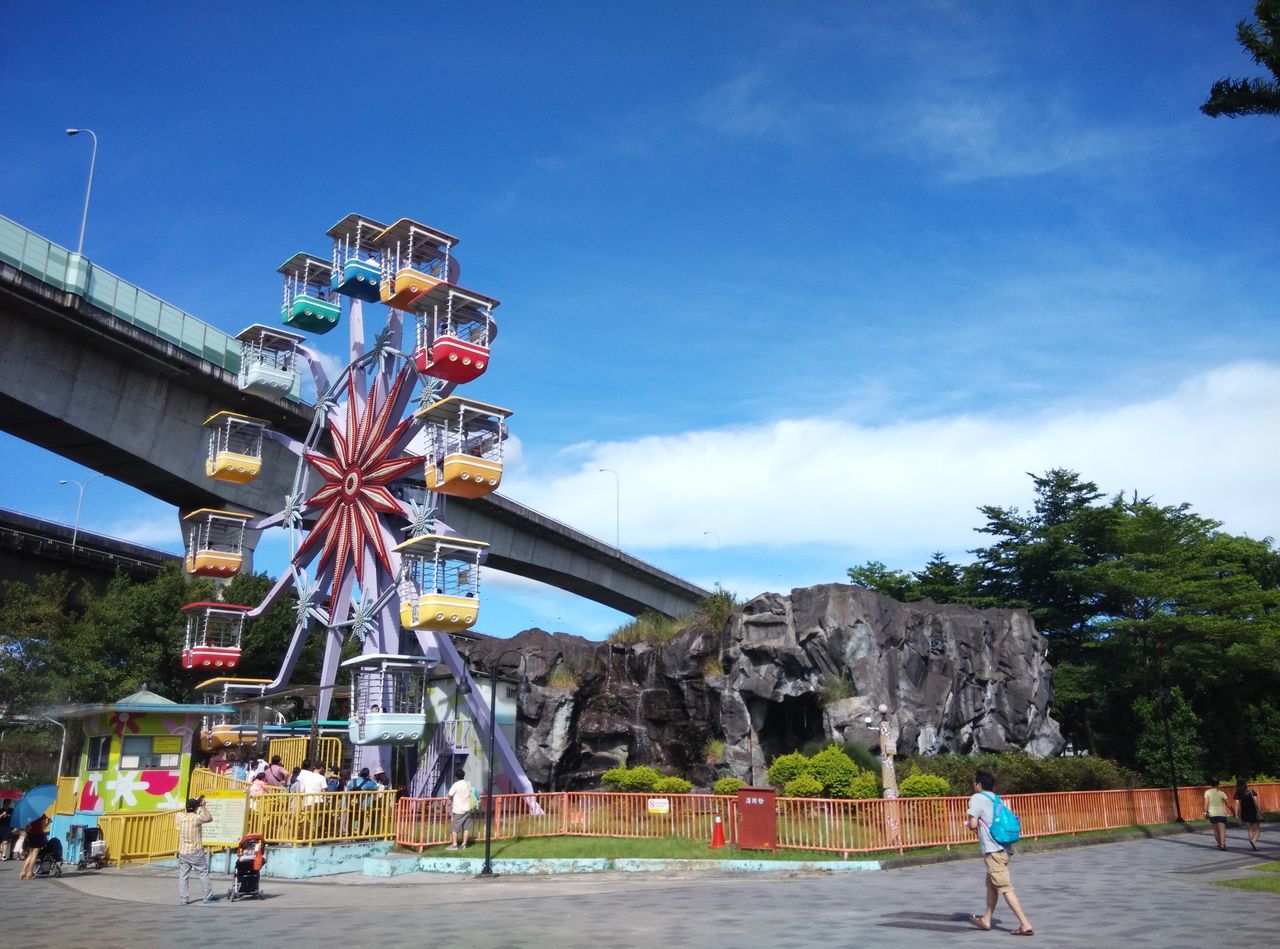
[32, 254]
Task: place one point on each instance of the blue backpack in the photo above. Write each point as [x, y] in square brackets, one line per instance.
[1005, 828]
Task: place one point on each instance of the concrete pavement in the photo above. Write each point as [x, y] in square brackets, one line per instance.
[1142, 893]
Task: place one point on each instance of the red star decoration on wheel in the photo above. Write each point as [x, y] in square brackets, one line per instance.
[355, 485]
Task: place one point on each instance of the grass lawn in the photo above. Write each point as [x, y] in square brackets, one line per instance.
[1268, 883]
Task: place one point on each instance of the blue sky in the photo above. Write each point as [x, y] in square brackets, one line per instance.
[816, 279]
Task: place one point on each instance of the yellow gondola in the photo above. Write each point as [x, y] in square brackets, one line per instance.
[235, 447]
[465, 442]
[413, 258]
[440, 582]
[214, 542]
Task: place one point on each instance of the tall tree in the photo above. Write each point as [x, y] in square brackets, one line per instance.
[1261, 39]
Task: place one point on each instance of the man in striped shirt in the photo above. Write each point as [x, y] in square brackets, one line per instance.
[191, 849]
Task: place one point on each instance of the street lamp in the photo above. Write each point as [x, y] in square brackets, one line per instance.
[617, 509]
[487, 869]
[888, 728]
[93, 160]
[719, 559]
[75, 532]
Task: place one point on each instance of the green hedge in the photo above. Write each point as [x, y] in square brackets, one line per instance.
[640, 778]
[836, 774]
[672, 786]
[728, 785]
[1018, 773]
[804, 785]
[916, 784]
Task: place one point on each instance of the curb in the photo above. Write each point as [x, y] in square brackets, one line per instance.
[534, 867]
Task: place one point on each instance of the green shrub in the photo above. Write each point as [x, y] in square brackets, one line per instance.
[923, 785]
[787, 768]
[641, 778]
[1019, 773]
[728, 785]
[804, 785]
[837, 687]
[613, 778]
[835, 771]
[648, 627]
[672, 786]
[713, 751]
[865, 785]
[1265, 779]
[563, 676]
[713, 611]
[861, 754]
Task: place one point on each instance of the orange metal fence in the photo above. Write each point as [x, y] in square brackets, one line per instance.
[844, 826]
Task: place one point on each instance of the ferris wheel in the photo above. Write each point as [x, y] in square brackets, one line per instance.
[371, 554]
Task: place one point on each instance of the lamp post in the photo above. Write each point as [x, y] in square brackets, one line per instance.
[93, 160]
[719, 559]
[617, 509]
[487, 869]
[888, 729]
[75, 531]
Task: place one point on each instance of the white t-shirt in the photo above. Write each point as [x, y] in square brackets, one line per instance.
[309, 781]
[461, 794]
[982, 807]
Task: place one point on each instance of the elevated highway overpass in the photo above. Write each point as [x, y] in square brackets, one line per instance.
[107, 375]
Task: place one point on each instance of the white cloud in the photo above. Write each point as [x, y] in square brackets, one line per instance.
[915, 485]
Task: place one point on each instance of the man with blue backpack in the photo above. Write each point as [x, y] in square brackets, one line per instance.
[998, 830]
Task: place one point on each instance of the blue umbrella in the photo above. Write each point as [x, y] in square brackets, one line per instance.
[33, 804]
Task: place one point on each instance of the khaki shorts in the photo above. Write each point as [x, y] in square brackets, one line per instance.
[998, 871]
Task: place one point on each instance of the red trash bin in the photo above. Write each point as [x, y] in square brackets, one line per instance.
[757, 819]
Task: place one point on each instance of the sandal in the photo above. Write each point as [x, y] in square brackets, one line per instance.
[977, 921]
[1022, 932]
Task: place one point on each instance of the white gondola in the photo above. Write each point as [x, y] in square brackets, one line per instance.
[440, 582]
[268, 360]
[388, 699]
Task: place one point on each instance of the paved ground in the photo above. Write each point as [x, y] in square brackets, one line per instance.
[1142, 893]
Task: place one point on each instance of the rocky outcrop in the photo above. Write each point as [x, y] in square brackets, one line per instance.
[784, 671]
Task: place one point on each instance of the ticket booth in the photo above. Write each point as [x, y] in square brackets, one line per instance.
[757, 819]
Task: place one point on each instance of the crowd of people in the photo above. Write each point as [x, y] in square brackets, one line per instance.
[309, 777]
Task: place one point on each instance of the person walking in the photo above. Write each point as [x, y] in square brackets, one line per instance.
[460, 792]
[191, 849]
[1250, 811]
[6, 829]
[982, 810]
[1216, 808]
[37, 835]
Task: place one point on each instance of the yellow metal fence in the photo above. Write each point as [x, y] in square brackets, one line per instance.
[331, 817]
[66, 802]
[292, 751]
[133, 837]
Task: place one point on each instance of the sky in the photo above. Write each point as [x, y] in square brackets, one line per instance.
[816, 280]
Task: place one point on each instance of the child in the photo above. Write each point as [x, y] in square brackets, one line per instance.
[460, 792]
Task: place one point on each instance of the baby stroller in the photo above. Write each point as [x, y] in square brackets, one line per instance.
[251, 856]
[92, 850]
[49, 863]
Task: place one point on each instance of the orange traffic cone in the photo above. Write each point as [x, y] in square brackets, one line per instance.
[717, 834]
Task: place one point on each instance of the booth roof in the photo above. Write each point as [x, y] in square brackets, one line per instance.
[144, 700]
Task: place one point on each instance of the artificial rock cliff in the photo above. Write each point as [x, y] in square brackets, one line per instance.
[784, 671]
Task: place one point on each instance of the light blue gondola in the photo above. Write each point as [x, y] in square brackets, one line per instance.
[268, 360]
[388, 699]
